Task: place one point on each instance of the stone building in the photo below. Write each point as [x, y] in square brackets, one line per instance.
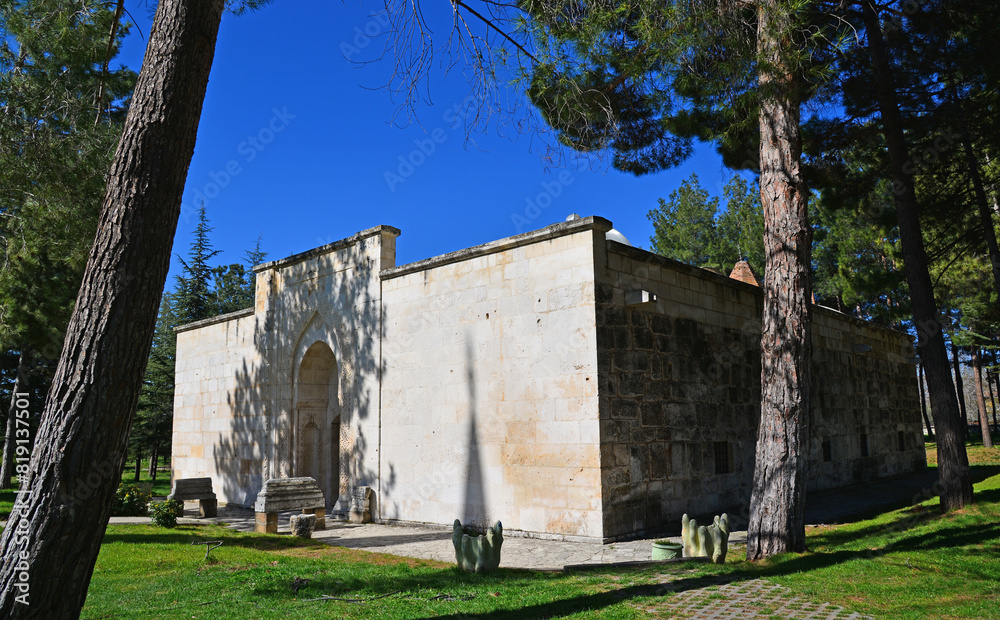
[566, 384]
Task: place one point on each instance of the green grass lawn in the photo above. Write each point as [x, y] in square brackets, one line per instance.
[145, 572]
[908, 563]
[162, 485]
[6, 502]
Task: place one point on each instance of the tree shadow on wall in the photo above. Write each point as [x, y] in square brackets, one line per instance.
[324, 300]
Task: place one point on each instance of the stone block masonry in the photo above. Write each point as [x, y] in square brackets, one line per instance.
[566, 385]
[680, 394]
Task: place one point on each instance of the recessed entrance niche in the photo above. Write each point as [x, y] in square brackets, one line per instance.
[317, 420]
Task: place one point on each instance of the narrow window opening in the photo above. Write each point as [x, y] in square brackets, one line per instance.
[723, 457]
[827, 451]
[864, 444]
[902, 441]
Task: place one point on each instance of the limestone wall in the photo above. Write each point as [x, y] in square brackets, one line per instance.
[680, 394]
[331, 296]
[289, 387]
[489, 406]
[219, 425]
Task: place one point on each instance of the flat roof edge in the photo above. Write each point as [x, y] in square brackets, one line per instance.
[553, 231]
[329, 247]
[222, 318]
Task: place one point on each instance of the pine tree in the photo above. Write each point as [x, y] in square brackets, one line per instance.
[229, 289]
[643, 80]
[80, 446]
[153, 425]
[194, 300]
[690, 228]
[684, 226]
[53, 159]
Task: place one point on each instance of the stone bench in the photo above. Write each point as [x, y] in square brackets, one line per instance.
[200, 489]
[280, 494]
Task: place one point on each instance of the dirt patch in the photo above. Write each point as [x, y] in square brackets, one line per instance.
[358, 555]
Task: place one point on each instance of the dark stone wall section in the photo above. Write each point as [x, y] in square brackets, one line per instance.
[679, 395]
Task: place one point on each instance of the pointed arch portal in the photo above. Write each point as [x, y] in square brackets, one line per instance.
[316, 451]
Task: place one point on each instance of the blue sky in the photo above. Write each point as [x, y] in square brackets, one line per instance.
[295, 142]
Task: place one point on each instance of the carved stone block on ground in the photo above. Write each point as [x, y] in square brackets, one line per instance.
[302, 526]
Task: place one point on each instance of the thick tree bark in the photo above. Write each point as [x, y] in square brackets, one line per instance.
[963, 412]
[953, 462]
[923, 404]
[51, 542]
[777, 502]
[9, 443]
[977, 376]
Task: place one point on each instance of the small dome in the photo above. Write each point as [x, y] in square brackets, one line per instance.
[614, 235]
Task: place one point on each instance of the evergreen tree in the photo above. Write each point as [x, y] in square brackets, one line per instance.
[858, 265]
[229, 289]
[684, 226]
[53, 159]
[153, 425]
[690, 228]
[83, 434]
[645, 78]
[741, 227]
[194, 299]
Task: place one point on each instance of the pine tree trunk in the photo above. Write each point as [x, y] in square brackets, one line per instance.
[982, 202]
[953, 462]
[9, 442]
[152, 463]
[81, 445]
[923, 404]
[138, 466]
[977, 376]
[777, 502]
[963, 412]
[993, 400]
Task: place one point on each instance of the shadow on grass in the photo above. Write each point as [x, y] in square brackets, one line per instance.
[184, 534]
[366, 578]
[914, 498]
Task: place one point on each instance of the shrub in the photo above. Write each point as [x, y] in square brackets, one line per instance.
[165, 513]
[131, 501]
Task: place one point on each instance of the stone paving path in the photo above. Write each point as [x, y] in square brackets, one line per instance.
[434, 543]
[722, 599]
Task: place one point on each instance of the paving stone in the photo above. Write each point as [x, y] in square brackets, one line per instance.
[720, 599]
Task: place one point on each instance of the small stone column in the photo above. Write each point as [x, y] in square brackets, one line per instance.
[361, 505]
[265, 522]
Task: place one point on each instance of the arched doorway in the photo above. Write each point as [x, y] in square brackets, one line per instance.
[316, 451]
